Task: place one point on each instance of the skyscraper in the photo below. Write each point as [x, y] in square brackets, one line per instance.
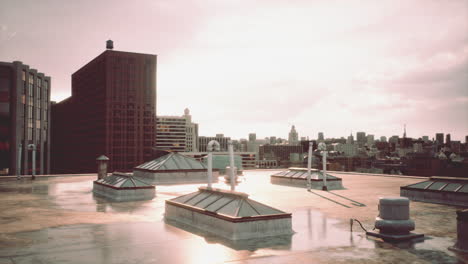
[448, 139]
[293, 137]
[361, 138]
[440, 138]
[320, 136]
[24, 118]
[112, 111]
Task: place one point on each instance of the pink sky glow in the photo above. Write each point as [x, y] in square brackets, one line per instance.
[262, 66]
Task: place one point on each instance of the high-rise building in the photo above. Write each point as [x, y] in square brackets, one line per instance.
[293, 136]
[383, 139]
[425, 139]
[252, 137]
[177, 133]
[361, 138]
[350, 139]
[466, 139]
[111, 111]
[24, 118]
[440, 138]
[320, 136]
[273, 140]
[370, 140]
[448, 139]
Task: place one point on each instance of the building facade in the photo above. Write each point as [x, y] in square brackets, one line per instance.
[222, 140]
[111, 111]
[293, 137]
[24, 119]
[177, 133]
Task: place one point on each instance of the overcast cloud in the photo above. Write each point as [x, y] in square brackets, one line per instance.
[262, 66]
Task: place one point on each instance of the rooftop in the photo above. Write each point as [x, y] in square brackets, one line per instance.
[58, 220]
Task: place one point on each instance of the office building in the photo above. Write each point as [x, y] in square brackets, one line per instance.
[112, 112]
[320, 136]
[383, 139]
[448, 139]
[176, 133]
[370, 140]
[361, 138]
[293, 136]
[440, 138]
[24, 119]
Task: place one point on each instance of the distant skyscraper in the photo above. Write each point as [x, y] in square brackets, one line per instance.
[466, 139]
[447, 139]
[350, 139]
[272, 140]
[370, 140]
[440, 138]
[383, 139]
[425, 138]
[320, 136]
[293, 136]
[112, 112]
[24, 118]
[361, 138]
[252, 137]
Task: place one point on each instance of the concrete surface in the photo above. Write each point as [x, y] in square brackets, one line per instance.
[58, 220]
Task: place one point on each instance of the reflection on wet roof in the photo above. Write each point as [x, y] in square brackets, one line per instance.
[172, 161]
[232, 204]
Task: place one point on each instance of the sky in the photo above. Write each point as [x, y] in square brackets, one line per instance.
[241, 67]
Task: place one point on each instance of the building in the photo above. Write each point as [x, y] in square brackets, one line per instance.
[113, 109]
[425, 139]
[350, 139]
[24, 118]
[370, 140]
[361, 138]
[440, 138]
[320, 136]
[447, 139]
[176, 133]
[283, 154]
[383, 139]
[222, 140]
[293, 136]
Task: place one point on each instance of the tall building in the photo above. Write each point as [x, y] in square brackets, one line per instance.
[440, 138]
[177, 133]
[293, 136]
[350, 139]
[361, 138]
[370, 140]
[448, 139]
[24, 118]
[425, 139]
[111, 111]
[320, 136]
[383, 139]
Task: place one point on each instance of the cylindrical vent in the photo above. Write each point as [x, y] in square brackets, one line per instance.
[109, 44]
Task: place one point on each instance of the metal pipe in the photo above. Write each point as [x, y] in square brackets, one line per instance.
[33, 147]
[231, 164]
[324, 170]
[18, 165]
[309, 164]
[212, 145]
[210, 176]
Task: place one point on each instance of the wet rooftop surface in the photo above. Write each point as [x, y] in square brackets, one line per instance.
[58, 220]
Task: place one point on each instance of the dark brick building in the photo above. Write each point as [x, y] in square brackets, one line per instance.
[112, 111]
[24, 118]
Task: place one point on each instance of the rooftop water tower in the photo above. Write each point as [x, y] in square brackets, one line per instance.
[109, 44]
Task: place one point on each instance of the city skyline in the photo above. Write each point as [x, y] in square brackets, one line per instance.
[324, 67]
